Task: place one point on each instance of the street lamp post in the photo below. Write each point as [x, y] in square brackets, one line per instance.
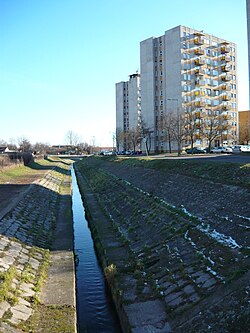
[178, 124]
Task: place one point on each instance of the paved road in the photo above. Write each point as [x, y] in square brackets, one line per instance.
[231, 158]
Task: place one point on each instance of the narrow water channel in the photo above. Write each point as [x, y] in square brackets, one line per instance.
[95, 310]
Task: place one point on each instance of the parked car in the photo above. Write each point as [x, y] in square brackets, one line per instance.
[241, 148]
[221, 150]
[195, 150]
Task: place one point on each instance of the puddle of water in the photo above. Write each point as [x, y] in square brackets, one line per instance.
[95, 309]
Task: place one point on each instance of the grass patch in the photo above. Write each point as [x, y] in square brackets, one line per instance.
[50, 319]
[225, 173]
[6, 279]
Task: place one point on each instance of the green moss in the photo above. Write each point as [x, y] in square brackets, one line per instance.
[50, 319]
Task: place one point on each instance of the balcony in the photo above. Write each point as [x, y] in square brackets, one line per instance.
[225, 116]
[226, 87]
[199, 62]
[199, 51]
[225, 68]
[226, 106]
[225, 58]
[226, 97]
[199, 103]
[199, 71]
[200, 83]
[199, 40]
[224, 49]
[225, 78]
[199, 92]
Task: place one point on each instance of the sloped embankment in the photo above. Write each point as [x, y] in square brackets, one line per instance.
[168, 271]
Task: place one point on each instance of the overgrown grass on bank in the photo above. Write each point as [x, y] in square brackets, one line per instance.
[225, 173]
[18, 173]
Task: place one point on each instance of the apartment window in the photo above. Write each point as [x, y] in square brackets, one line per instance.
[184, 55]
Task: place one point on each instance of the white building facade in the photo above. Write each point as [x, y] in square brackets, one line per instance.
[186, 70]
[128, 108]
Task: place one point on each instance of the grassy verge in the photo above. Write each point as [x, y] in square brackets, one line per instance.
[224, 173]
[51, 319]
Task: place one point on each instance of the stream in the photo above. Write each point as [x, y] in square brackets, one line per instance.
[95, 309]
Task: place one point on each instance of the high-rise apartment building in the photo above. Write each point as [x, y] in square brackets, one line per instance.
[189, 72]
[248, 39]
[128, 108]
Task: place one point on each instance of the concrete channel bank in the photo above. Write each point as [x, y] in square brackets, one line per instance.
[169, 271]
[37, 277]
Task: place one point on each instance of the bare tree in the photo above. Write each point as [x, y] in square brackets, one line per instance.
[72, 138]
[12, 144]
[166, 125]
[215, 127]
[3, 143]
[244, 134]
[40, 148]
[179, 130]
[119, 137]
[146, 136]
[24, 144]
[191, 126]
[133, 137]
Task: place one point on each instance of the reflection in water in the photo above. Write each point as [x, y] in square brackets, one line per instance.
[95, 310]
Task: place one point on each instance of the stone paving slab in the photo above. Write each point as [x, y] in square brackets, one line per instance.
[147, 316]
[25, 226]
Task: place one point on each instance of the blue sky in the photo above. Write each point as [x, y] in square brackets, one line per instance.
[60, 59]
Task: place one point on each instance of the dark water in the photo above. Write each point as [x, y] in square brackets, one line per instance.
[95, 310]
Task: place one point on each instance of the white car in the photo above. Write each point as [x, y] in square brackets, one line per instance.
[241, 148]
[220, 150]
